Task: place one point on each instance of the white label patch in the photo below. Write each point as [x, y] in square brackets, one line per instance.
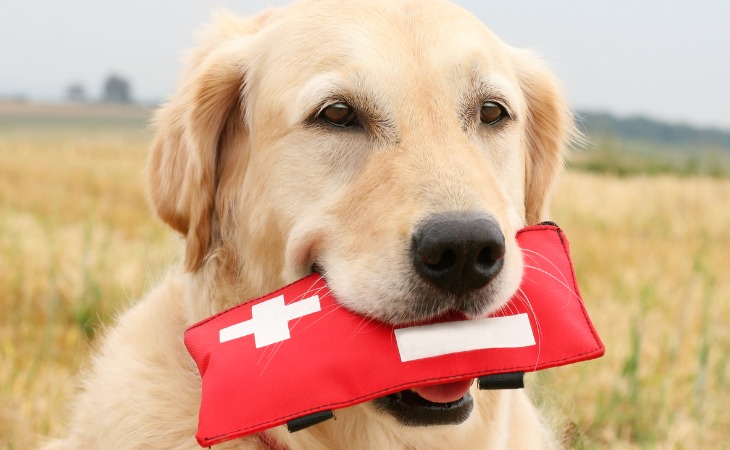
[427, 341]
[269, 322]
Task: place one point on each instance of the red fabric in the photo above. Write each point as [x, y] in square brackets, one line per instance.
[335, 359]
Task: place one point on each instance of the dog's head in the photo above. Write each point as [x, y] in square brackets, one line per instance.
[394, 146]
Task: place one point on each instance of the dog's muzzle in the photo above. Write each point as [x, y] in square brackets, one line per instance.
[444, 404]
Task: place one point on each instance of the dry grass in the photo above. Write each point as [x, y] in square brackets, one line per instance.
[651, 255]
[78, 243]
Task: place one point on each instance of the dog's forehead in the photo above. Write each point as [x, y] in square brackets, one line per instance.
[393, 33]
[394, 44]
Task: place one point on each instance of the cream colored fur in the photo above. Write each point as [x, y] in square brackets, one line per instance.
[261, 190]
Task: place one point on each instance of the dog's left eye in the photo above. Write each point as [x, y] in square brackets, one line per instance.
[339, 114]
[492, 113]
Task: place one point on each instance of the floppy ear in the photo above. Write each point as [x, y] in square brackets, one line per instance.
[182, 166]
[549, 131]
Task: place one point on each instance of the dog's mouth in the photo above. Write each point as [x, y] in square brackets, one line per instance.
[441, 404]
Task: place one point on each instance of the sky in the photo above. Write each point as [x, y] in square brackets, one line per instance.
[666, 59]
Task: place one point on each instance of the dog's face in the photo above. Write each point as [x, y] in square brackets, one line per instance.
[394, 146]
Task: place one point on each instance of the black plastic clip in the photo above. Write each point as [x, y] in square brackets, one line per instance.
[307, 421]
[514, 380]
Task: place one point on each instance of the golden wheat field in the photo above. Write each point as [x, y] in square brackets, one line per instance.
[78, 244]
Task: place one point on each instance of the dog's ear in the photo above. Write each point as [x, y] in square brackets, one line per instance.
[192, 129]
[549, 131]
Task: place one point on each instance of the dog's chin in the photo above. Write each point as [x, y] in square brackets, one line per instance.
[445, 404]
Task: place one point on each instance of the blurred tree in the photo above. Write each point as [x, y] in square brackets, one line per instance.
[76, 93]
[116, 90]
[644, 129]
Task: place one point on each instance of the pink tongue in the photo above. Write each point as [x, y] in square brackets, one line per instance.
[444, 393]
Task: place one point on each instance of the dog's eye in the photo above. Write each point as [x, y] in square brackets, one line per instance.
[339, 114]
[492, 113]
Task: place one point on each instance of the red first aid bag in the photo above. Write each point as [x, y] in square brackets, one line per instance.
[296, 353]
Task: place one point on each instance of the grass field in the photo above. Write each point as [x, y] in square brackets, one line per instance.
[614, 156]
[78, 244]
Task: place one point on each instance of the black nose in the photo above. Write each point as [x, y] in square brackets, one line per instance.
[459, 252]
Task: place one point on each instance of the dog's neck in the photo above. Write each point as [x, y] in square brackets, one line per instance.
[223, 282]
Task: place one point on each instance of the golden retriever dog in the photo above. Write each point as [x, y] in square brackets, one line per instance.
[395, 147]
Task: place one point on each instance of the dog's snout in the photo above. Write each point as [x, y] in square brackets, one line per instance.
[459, 252]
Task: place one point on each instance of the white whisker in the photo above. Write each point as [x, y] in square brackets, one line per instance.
[566, 286]
[527, 302]
[557, 269]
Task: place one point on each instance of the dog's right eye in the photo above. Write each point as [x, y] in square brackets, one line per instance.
[492, 113]
[339, 114]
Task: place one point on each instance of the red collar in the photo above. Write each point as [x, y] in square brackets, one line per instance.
[270, 442]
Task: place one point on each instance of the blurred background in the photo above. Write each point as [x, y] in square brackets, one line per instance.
[645, 202]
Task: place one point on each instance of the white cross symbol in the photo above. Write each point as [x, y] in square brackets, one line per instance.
[269, 322]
